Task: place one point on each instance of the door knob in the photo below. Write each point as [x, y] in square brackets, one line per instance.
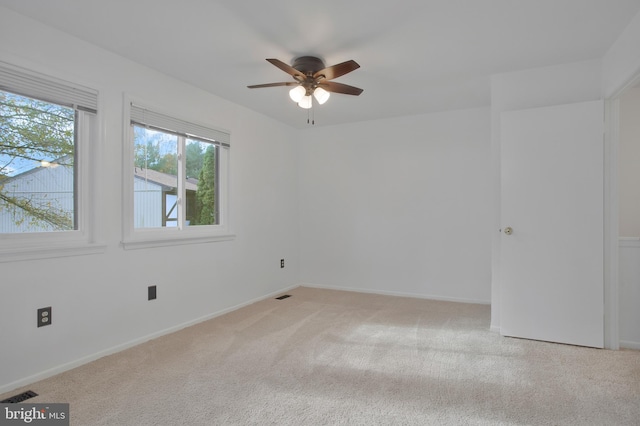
[508, 230]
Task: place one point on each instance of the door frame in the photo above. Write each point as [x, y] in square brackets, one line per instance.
[611, 214]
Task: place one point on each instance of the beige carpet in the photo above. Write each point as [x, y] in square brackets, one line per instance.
[324, 357]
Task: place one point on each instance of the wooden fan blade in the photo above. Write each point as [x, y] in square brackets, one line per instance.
[288, 83]
[332, 86]
[336, 71]
[286, 68]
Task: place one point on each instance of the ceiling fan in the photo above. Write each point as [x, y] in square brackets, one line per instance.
[312, 79]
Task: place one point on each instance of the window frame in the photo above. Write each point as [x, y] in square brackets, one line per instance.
[82, 240]
[138, 238]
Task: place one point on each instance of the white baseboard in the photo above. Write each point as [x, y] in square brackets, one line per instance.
[629, 345]
[400, 294]
[84, 360]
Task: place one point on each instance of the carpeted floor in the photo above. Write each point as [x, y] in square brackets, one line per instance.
[325, 357]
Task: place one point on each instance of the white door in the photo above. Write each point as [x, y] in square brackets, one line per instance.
[552, 263]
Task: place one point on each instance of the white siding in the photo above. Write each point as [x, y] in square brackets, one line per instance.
[50, 187]
[53, 186]
[147, 202]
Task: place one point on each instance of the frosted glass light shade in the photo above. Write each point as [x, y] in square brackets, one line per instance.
[305, 102]
[297, 93]
[321, 95]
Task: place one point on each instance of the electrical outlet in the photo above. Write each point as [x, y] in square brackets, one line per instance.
[44, 316]
[152, 292]
[282, 263]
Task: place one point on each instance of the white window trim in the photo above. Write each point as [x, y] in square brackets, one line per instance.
[161, 237]
[45, 245]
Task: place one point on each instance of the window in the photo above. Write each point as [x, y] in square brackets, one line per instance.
[178, 182]
[46, 131]
[37, 165]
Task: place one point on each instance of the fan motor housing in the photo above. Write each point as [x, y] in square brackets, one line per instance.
[308, 65]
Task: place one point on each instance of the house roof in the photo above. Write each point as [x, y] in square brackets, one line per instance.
[65, 160]
[167, 181]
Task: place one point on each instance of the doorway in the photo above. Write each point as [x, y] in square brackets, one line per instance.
[628, 179]
[552, 210]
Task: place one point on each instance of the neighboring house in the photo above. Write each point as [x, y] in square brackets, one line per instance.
[51, 186]
[154, 193]
[47, 187]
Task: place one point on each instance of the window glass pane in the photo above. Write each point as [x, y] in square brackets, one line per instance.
[155, 178]
[37, 166]
[201, 192]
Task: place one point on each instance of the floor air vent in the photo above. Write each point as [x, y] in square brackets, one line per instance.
[284, 296]
[19, 398]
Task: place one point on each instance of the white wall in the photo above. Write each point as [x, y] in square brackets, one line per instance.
[629, 164]
[555, 85]
[100, 301]
[399, 206]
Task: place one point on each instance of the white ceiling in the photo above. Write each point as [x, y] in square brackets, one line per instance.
[416, 56]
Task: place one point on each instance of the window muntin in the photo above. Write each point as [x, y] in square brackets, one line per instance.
[38, 178]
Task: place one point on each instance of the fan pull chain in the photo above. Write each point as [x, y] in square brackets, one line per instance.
[311, 119]
[311, 113]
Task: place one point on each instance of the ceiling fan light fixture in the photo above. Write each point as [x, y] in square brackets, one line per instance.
[321, 95]
[306, 102]
[313, 80]
[297, 93]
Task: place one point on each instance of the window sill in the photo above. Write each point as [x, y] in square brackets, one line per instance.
[48, 251]
[151, 241]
